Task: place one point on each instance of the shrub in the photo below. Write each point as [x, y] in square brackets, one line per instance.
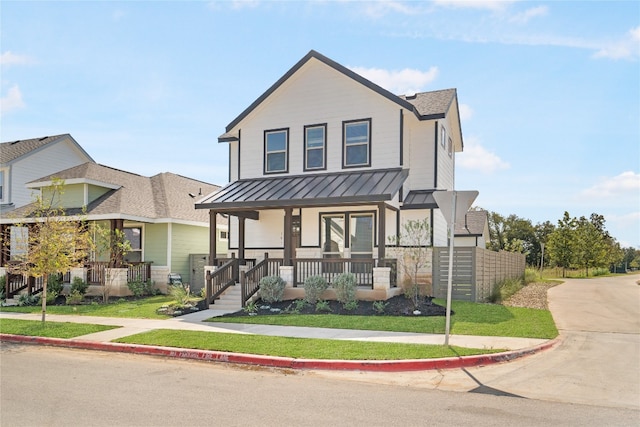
[150, 288]
[79, 285]
[323, 306]
[74, 298]
[345, 286]
[600, 271]
[54, 284]
[351, 305]
[180, 294]
[271, 288]
[51, 297]
[504, 289]
[530, 275]
[314, 286]
[136, 287]
[380, 306]
[25, 299]
[3, 284]
[250, 308]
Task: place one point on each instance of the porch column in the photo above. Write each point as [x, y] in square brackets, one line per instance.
[288, 223]
[381, 230]
[241, 221]
[5, 244]
[117, 224]
[213, 236]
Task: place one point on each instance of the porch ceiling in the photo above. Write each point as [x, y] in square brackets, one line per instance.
[343, 188]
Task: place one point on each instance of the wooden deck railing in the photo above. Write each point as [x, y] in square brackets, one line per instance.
[138, 271]
[221, 279]
[329, 268]
[250, 280]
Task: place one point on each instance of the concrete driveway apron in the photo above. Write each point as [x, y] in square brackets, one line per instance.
[597, 361]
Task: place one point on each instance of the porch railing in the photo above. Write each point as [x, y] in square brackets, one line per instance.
[138, 271]
[329, 268]
[250, 280]
[218, 281]
[135, 271]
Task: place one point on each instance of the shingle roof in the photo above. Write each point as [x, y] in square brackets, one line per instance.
[13, 150]
[474, 224]
[432, 105]
[162, 196]
[325, 189]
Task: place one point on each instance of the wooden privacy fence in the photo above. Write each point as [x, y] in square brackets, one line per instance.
[476, 271]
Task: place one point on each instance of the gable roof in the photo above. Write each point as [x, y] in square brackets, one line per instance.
[162, 197]
[15, 150]
[425, 105]
[327, 189]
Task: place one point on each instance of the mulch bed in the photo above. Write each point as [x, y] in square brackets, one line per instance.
[396, 306]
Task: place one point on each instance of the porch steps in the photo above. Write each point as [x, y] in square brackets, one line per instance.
[230, 300]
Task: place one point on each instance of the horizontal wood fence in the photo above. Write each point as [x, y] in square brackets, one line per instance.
[476, 271]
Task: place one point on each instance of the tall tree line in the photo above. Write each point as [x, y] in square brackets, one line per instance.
[572, 243]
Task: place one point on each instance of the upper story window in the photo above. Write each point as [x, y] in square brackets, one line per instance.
[450, 147]
[315, 152]
[443, 136]
[356, 138]
[276, 158]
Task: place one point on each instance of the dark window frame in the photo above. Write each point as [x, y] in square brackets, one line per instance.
[265, 163]
[345, 124]
[324, 148]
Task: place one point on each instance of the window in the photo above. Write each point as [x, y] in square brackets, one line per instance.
[356, 143]
[332, 235]
[224, 235]
[443, 136]
[361, 235]
[450, 147]
[19, 238]
[275, 149]
[134, 236]
[2, 190]
[314, 147]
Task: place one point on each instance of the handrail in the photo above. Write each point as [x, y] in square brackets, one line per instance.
[329, 268]
[218, 281]
[250, 280]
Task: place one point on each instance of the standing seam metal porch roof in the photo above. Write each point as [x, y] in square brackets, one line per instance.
[308, 190]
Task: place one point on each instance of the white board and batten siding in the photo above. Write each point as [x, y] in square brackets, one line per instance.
[318, 94]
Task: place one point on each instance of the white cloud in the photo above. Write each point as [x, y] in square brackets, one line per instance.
[476, 157]
[466, 112]
[379, 9]
[10, 58]
[12, 101]
[474, 4]
[401, 82]
[624, 185]
[245, 4]
[626, 48]
[524, 17]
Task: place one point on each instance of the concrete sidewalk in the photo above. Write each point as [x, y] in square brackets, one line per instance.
[515, 347]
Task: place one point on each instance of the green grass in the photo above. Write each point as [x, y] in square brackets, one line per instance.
[469, 319]
[35, 328]
[142, 308]
[298, 347]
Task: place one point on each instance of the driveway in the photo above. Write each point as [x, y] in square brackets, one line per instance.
[597, 361]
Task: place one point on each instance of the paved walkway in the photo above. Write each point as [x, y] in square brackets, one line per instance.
[514, 347]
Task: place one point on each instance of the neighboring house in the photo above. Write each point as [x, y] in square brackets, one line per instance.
[23, 161]
[156, 213]
[327, 164]
[474, 231]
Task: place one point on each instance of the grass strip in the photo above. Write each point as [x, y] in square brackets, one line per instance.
[469, 319]
[299, 348]
[142, 308]
[35, 328]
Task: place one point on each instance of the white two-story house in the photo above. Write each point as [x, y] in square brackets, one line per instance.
[327, 164]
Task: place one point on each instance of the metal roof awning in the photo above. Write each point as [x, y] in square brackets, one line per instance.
[420, 199]
[325, 189]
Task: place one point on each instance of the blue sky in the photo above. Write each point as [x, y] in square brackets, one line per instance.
[549, 91]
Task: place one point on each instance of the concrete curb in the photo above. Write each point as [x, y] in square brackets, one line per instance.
[287, 362]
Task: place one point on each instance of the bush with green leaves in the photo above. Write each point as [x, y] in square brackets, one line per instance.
[3, 284]
[79, 285]
[180, 294]
[314, 286]
[380, 306]
[345, 285]
[531, 275]
[323, 306]
[54, 284]
[51, 297]
[271, 288]
[75, 298]
[139, 288]
[24, 300]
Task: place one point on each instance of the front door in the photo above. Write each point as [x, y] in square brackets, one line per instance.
[295, 234]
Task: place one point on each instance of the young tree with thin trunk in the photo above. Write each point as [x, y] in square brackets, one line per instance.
[55, 242]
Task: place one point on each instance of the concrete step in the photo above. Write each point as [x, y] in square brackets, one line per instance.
[230, 300]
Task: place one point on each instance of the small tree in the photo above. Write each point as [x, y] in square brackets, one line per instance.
[562, 243]
[413, 243]
[112, 245]
[55, 243]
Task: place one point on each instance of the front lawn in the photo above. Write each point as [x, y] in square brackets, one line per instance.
[35, 328]
[469, 319]
[144, 308]
[298, 347]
